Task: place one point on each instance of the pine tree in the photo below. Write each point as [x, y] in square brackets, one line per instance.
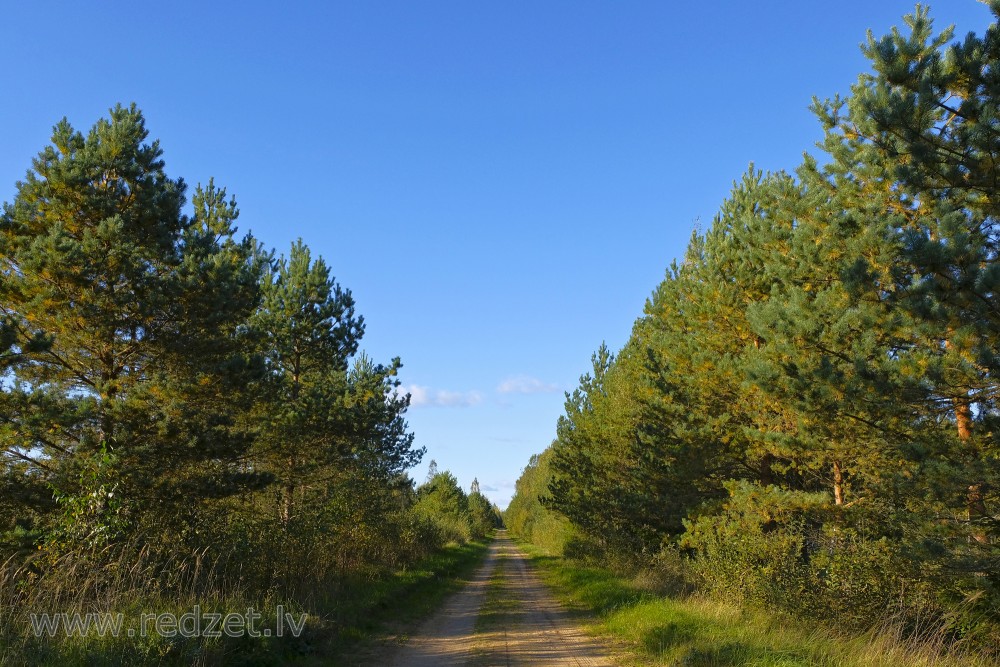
[704, 423]
[927, 116]
[309, 332]
[379, 438]
[330, 422]
[593, 482]
[131, 294]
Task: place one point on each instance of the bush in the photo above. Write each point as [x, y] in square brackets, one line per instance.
[772, 548]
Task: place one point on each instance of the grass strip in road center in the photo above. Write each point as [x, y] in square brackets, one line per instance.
[500, 605]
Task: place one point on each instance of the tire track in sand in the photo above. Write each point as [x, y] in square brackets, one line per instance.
[538, 632]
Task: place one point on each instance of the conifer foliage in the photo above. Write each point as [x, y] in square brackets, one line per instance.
[140, 307]
[807, 408]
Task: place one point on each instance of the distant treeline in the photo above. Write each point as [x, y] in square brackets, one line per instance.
[806, 414]
[185, 416]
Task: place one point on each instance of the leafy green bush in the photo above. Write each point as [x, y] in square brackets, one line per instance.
[772, 548]
[442, 502]
[754, 548]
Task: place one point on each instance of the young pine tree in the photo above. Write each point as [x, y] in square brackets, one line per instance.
[139, 305]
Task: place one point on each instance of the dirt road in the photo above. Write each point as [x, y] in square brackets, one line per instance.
[519, 623]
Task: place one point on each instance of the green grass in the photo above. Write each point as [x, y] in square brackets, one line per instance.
[496, 614]
[393, 606]
[499, 607]
[653, 629]
[342, 630]
[94, 650]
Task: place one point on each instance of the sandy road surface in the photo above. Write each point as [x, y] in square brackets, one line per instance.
[537, 631]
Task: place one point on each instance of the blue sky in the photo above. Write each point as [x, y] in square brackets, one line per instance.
[501, 185]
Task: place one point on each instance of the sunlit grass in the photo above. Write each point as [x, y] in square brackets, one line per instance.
[358, 613]
[654, 629]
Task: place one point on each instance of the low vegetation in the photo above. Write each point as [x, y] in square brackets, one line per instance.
[499, 606]
[642, 614]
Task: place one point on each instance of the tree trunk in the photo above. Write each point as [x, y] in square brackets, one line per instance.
[288, 492]
[838, 484]
[974, 500]
[963, 419]
[287, 500]
[766, 474]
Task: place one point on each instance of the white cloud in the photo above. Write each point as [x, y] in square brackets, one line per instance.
[524, 384]
[425, 396]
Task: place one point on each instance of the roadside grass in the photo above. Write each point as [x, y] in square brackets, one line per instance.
[152, 646]
[343, 625]
[654, 629]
